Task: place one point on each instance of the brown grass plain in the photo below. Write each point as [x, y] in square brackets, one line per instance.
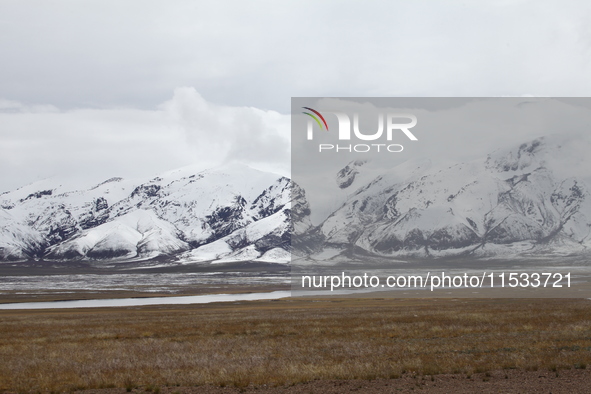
[289, 342]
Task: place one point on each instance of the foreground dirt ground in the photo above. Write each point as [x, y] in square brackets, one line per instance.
[567, 382]
[370, 345]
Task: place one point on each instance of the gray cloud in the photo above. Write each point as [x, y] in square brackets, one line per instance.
[260, 53]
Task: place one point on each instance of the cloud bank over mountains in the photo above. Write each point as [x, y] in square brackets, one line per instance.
[38, 142]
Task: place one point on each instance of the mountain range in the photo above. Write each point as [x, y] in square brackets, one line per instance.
[229, 213]
[530, 199]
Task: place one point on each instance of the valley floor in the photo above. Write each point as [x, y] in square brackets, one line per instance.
[303, 345]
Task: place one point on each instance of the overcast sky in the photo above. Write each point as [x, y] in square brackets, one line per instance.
[131, 88]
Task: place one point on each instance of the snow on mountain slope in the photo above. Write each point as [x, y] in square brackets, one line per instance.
[530, 196]
[130, 219]
[138, 233]
[17, 241]
[248, 243]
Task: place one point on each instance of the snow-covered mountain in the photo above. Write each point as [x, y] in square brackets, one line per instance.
[221, 214]
[532, 199]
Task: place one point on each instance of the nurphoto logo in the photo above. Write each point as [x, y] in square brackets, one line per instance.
[393, 126]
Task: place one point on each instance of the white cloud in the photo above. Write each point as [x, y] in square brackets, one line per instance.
[96, 144]
[11, 106]
[224, 133]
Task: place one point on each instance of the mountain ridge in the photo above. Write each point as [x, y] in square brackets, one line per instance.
[121, 219]
[514, 201]
[530, 199]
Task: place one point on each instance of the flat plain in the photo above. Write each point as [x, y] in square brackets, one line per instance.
[301, 345]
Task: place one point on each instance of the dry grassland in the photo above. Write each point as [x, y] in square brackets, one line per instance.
[287, 341]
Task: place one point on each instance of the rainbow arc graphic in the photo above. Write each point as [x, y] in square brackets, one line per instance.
[313, 116]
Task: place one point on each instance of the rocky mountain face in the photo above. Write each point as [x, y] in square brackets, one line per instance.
[229, 213]
[518, 201]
